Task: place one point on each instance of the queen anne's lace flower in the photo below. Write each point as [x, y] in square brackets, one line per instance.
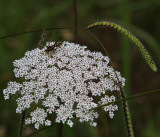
[38, 117]
[65, 83]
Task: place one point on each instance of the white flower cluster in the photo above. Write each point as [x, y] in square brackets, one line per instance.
[65, 82]
[38, 117]
[111, 108]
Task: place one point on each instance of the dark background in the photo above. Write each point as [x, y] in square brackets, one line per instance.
[141, 17]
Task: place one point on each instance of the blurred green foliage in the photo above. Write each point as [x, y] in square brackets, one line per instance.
[142, 17]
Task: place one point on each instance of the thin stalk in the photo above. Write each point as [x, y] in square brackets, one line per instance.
[32, 31]
[42, 39]
[126, 48]
[59, 129]
[127, 113]
[75, 19]
[22, 123]
[129, 98]
[126, 58]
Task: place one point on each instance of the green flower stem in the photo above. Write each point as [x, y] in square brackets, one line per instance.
[131, 37]
[59, 130]
[75, 19]
[22, 123]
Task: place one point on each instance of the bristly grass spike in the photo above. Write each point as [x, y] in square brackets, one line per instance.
[131, 37]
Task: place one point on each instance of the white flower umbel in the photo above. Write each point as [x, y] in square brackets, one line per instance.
[65, 83]
[38, 117]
